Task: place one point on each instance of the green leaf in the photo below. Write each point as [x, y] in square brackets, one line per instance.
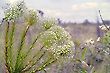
[83, 54]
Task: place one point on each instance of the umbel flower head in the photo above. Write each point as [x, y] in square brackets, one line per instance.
[61, 34]
[48, 38]
[64, 50]
[31, 17]
[15, 11]
[48, 24]
[57, 41]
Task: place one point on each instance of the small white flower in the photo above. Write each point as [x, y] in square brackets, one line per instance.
[104, 28]
[84, 65]
[90, 41]
[15, 11]
[98, 39]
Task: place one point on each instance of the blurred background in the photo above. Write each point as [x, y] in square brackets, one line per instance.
[71, 14]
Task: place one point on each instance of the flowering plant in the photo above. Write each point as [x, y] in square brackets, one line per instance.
[50, 44]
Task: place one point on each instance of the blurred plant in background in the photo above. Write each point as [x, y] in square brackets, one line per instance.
[90, 56]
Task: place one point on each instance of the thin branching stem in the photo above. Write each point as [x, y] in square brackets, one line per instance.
[103, 20]
[34, 63]
[45, 71]
[31, 46]
[21, 46]
[47, 63]
[26, 68]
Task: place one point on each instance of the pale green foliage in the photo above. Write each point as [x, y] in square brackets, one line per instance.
[106, 39]
[84, 53]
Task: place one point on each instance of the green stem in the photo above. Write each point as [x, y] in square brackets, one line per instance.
[83, 54]
[47, 63]
[103, 20]
[20, 48]
[11, 44]
[6, 48]
[28, 67]
[32, 45]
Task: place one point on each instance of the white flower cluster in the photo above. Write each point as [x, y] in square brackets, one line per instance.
[89, 42]
[48, 24]
[48, 38]
[61, 34]
[15, 11]
[104, 28]
[57, 41]
[31, 17]
[64, 50]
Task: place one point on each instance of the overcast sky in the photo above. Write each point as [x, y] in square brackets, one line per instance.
[72, 10]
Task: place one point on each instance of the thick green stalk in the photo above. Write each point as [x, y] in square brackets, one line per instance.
[11, 45]
[6, 48]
